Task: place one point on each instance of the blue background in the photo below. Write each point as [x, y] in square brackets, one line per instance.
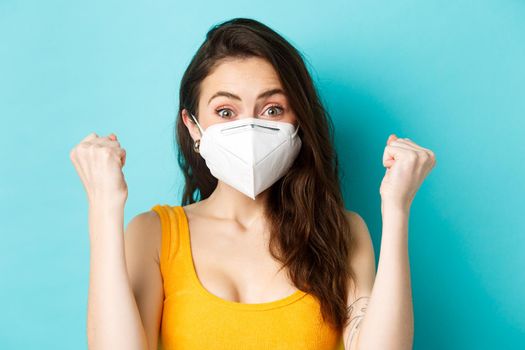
[450, 75]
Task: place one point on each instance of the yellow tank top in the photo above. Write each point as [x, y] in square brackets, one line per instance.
[195, 319]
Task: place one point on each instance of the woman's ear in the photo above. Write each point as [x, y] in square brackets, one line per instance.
[191, 125]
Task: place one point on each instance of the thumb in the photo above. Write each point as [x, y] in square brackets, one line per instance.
[391, 138]
[389, 155]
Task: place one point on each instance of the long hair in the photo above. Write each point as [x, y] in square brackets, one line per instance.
[310, 234]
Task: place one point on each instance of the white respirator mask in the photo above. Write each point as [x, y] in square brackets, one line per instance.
[249, 154]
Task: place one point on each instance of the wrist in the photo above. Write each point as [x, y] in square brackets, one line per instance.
[106, 221]
[395, 206]
[107, 201]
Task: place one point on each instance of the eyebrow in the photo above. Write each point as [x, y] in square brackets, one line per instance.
[264, 94]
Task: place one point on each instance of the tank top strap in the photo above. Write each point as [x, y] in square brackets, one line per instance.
[171, 224]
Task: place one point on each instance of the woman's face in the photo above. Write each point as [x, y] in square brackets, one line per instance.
[240, 88]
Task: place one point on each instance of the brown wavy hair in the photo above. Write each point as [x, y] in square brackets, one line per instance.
[310, 234]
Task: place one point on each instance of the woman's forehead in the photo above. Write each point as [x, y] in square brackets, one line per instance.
[240, 76]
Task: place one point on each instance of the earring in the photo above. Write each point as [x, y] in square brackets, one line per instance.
[196, 145]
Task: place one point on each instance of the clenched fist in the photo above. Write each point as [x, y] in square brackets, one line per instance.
[407, 165]
[98, 161]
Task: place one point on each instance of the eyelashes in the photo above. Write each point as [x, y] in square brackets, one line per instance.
[280, 108]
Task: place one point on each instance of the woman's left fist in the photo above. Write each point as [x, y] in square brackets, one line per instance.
[407, 164]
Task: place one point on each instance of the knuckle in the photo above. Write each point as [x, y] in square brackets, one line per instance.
[423, 156]
[412, 156]
[81, 149]
[106, 151]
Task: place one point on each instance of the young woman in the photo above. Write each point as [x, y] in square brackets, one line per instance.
[262, 254]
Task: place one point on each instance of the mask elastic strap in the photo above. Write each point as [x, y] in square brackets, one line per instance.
[202, 132]
[296, 130]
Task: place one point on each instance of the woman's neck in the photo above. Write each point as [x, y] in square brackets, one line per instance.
[228, 203]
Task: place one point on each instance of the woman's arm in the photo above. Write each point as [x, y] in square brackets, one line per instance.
[113, 320]
[389, 320]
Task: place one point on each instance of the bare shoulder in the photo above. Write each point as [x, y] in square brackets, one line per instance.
[362, 259]
[142, 239]
[362, 262]
[359, 229]
[144, 230]
[357, 224]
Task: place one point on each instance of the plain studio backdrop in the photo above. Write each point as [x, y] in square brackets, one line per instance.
[450, 75]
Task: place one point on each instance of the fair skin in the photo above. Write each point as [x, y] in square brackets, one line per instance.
[229, 234]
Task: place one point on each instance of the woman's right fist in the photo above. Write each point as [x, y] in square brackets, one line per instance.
[98, 161]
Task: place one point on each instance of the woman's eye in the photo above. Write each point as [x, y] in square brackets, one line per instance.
[276, 110]
[224, 115]
[228, 113]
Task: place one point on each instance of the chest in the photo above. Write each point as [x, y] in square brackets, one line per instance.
[236, 264]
